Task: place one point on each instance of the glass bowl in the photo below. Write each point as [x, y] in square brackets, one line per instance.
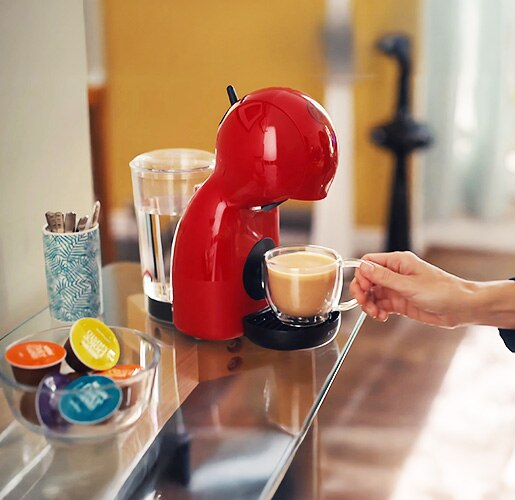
[124, 400]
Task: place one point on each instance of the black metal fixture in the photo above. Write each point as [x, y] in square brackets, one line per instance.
[402, 135]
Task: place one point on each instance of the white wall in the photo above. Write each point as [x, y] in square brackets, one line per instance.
[44, 140]
[333, 217]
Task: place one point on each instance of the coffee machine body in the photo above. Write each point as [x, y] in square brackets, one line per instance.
[272, 145]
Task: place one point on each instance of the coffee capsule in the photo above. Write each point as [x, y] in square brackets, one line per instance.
[90, 399]
[91, 345]
[47, 400]
[31, 361]
[123, 374]
[28, 407]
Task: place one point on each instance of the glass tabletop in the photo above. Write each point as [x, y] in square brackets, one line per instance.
[225, 420]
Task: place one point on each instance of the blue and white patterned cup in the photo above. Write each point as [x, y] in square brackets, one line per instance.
[73, 274]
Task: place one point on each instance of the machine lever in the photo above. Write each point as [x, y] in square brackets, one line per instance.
[231, 92]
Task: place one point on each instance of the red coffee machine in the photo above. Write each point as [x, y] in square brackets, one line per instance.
[272, 145]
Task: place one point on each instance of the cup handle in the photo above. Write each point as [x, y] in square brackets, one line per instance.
[349, 304]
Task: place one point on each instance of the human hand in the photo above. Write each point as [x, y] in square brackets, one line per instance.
[402, 283]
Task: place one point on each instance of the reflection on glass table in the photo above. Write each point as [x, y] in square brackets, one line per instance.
[225, 418]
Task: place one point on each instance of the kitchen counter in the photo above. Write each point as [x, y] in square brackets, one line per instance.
[225, 419]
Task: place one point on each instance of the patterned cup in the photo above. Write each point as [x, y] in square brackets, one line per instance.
[73, 274]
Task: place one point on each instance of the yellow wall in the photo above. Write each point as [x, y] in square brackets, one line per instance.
[169, 61]
[375, 98]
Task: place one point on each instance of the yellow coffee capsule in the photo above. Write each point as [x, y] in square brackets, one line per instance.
[92, 345]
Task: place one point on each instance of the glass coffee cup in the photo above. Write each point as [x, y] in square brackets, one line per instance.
[303, 284]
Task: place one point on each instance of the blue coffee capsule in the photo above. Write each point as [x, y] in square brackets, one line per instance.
[90, 400]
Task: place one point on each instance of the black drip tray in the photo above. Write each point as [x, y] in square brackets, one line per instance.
[264, 329]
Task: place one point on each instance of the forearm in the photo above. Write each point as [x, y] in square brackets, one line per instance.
[492, 303]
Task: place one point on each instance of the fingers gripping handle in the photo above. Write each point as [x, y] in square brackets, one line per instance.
[349, 304]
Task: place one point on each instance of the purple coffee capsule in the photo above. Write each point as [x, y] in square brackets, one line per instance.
[47, 401]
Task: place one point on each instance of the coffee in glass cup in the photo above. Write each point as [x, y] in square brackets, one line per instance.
[303, 284]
